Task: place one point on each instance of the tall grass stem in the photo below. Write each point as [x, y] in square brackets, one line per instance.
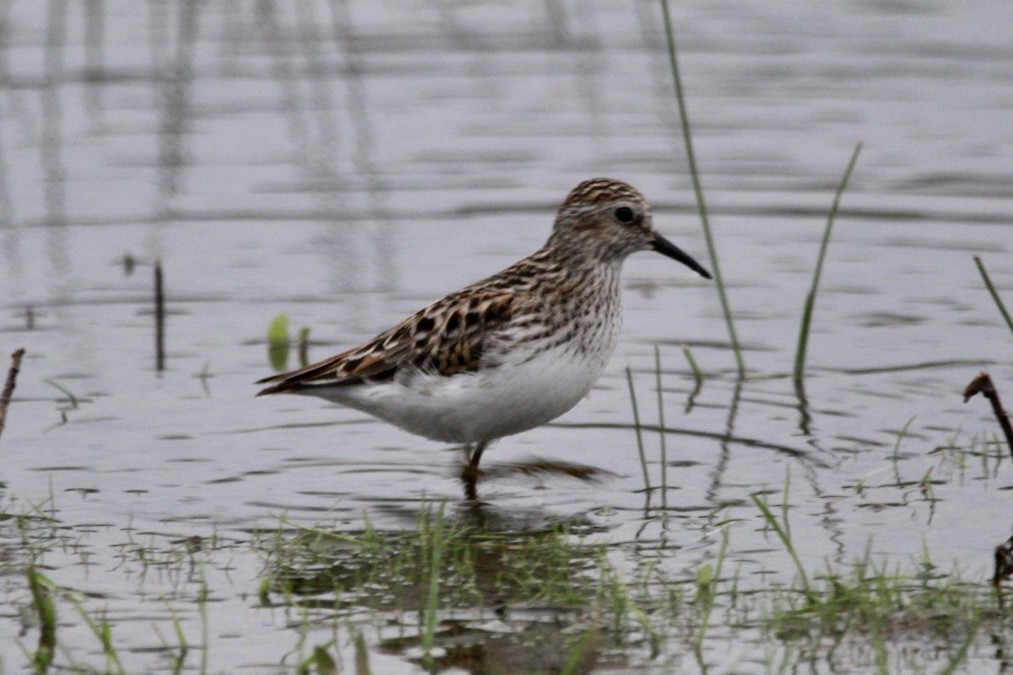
[693, 366]
[159, 318]
[639, 431]
[42, 600]
[694, 173]
[9, 384]
[661, 428]
[993, 292]
[783, 532]
[810, 300]
[436, 543]
[715, 577]
[103, 631]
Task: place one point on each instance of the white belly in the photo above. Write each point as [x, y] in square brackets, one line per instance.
[481, 406]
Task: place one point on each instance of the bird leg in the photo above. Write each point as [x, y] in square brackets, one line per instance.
[476, 454]
[470, 472]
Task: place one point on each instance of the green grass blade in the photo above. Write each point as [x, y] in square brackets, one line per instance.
[960, 655]
[637, 428]
[278, 342]
[42, 600]
[707, 584]
[437, 526]
[785, 537]
[102, 631]
[205, 629]
[582, 652]
[993, 292]
[810, 300]
[698, 189]
[661, 428]
[693, 365]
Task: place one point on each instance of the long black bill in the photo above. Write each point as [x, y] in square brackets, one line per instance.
[667, 248]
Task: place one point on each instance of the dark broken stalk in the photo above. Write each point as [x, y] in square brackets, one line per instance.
[983, 385]
[1003, 566]
[303, 341]
[8, 391]
[159, 319]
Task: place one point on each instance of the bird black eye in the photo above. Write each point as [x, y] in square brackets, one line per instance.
[624, 214]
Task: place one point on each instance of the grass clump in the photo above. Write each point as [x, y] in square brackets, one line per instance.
[620, 604]
[872, 608]
[441, 562]
[441, 577]
[451, 591]
[456, 590]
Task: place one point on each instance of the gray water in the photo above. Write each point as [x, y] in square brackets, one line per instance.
[345, 163]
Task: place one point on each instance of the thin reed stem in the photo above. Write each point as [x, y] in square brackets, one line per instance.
[693, 366]
[436, 526]
[42, 601]
[709, 606]
[639, 432]
[159, 319]
[698, 189]
[810, 300]
[993, 292]
[9, 384]
[783, 532]
[661, 428]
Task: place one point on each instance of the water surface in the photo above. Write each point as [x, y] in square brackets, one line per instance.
[347, 162]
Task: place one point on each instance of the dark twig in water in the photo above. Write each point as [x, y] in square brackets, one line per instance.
[8, 392]
[159, 319]
[983, 385]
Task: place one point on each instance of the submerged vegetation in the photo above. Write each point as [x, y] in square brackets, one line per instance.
[279, 344]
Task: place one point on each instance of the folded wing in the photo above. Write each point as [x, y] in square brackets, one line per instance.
[446, 338]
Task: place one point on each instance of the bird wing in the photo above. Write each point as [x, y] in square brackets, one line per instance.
[445, 338]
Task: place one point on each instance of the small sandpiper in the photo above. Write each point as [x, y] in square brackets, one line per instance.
[510, 352]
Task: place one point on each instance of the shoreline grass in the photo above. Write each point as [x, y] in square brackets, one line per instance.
[621, 605]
